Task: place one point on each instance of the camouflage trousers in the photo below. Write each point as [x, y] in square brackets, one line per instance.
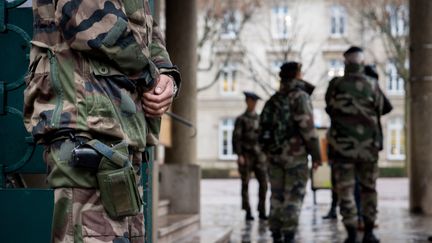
[79, 216]
[256, 164]
[288, 188]
[345, 178]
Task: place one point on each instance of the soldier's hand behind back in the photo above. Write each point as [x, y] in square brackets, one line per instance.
[158, 100]
[241, 160]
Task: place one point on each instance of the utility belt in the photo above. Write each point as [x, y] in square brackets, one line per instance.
[116, 177]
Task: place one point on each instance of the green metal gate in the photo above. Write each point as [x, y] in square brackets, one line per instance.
[26, 213]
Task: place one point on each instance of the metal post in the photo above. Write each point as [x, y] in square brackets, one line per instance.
[147, 181]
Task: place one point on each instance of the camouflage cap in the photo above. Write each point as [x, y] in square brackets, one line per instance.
[251, 95]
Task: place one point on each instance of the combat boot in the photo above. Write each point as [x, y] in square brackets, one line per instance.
[249, 216]
[331, 214]
[277, 237]
[352, 234]
[369, 236]
[289, 237]
[263, 216]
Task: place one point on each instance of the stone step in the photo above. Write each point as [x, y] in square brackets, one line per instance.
[163, 208]
[173, 227]
[209, 234]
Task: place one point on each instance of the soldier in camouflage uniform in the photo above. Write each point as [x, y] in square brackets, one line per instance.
[98, 70]
[288, 136]
[250, 156]
[354, 104]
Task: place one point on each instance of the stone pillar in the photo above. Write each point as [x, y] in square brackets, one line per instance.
[180, 176]
[419, 99]
[181, 36]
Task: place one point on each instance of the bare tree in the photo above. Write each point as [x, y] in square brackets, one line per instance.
[387, 21]
[218, 14]
[221, 17]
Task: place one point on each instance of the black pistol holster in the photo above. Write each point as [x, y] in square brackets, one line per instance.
[116, 177]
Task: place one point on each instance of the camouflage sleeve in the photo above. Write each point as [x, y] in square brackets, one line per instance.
[160, 56]
[101, 28]
[303, 116]
[329, 94]
[236, 136]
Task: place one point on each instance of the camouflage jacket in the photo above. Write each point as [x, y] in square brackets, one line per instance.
[90, 62]
[354, 103]
[245, 134]
[290, 111]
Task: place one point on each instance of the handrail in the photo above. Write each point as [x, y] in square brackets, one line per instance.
[183, 121]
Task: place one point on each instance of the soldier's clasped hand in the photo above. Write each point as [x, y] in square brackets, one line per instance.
[158, 100]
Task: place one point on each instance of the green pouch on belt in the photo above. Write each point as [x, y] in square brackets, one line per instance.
[117, 181]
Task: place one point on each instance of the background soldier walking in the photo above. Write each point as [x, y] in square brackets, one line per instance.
[288, 136]
[250, 157]
[355, 104]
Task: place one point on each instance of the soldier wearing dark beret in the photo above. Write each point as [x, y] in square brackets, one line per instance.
[250, 156]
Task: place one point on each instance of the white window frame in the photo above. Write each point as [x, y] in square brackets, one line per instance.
[226, 125]
[281, 22]
[336, 68]
[338, 21]
[395, 124]
[228, 75]
[398, 20]
[230, 25]
[395, 83]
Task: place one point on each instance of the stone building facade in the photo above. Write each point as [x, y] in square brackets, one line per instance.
[249, 44]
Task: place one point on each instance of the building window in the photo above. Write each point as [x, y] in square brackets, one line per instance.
[230, 25]
[280, 22]
[395, 139]
[336, 68]
[318, 117]
[398, 20]
[395, 83]
[228, 78]
[226, 128]
[337, 21]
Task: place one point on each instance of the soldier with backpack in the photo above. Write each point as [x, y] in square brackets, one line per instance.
[288, 136]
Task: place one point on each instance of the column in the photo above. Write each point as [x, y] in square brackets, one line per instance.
[181, 35]
[180, 176]
[419, 100]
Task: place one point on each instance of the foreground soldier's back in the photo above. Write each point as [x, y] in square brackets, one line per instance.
[353, 103]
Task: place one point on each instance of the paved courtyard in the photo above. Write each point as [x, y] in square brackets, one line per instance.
[220, 205]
